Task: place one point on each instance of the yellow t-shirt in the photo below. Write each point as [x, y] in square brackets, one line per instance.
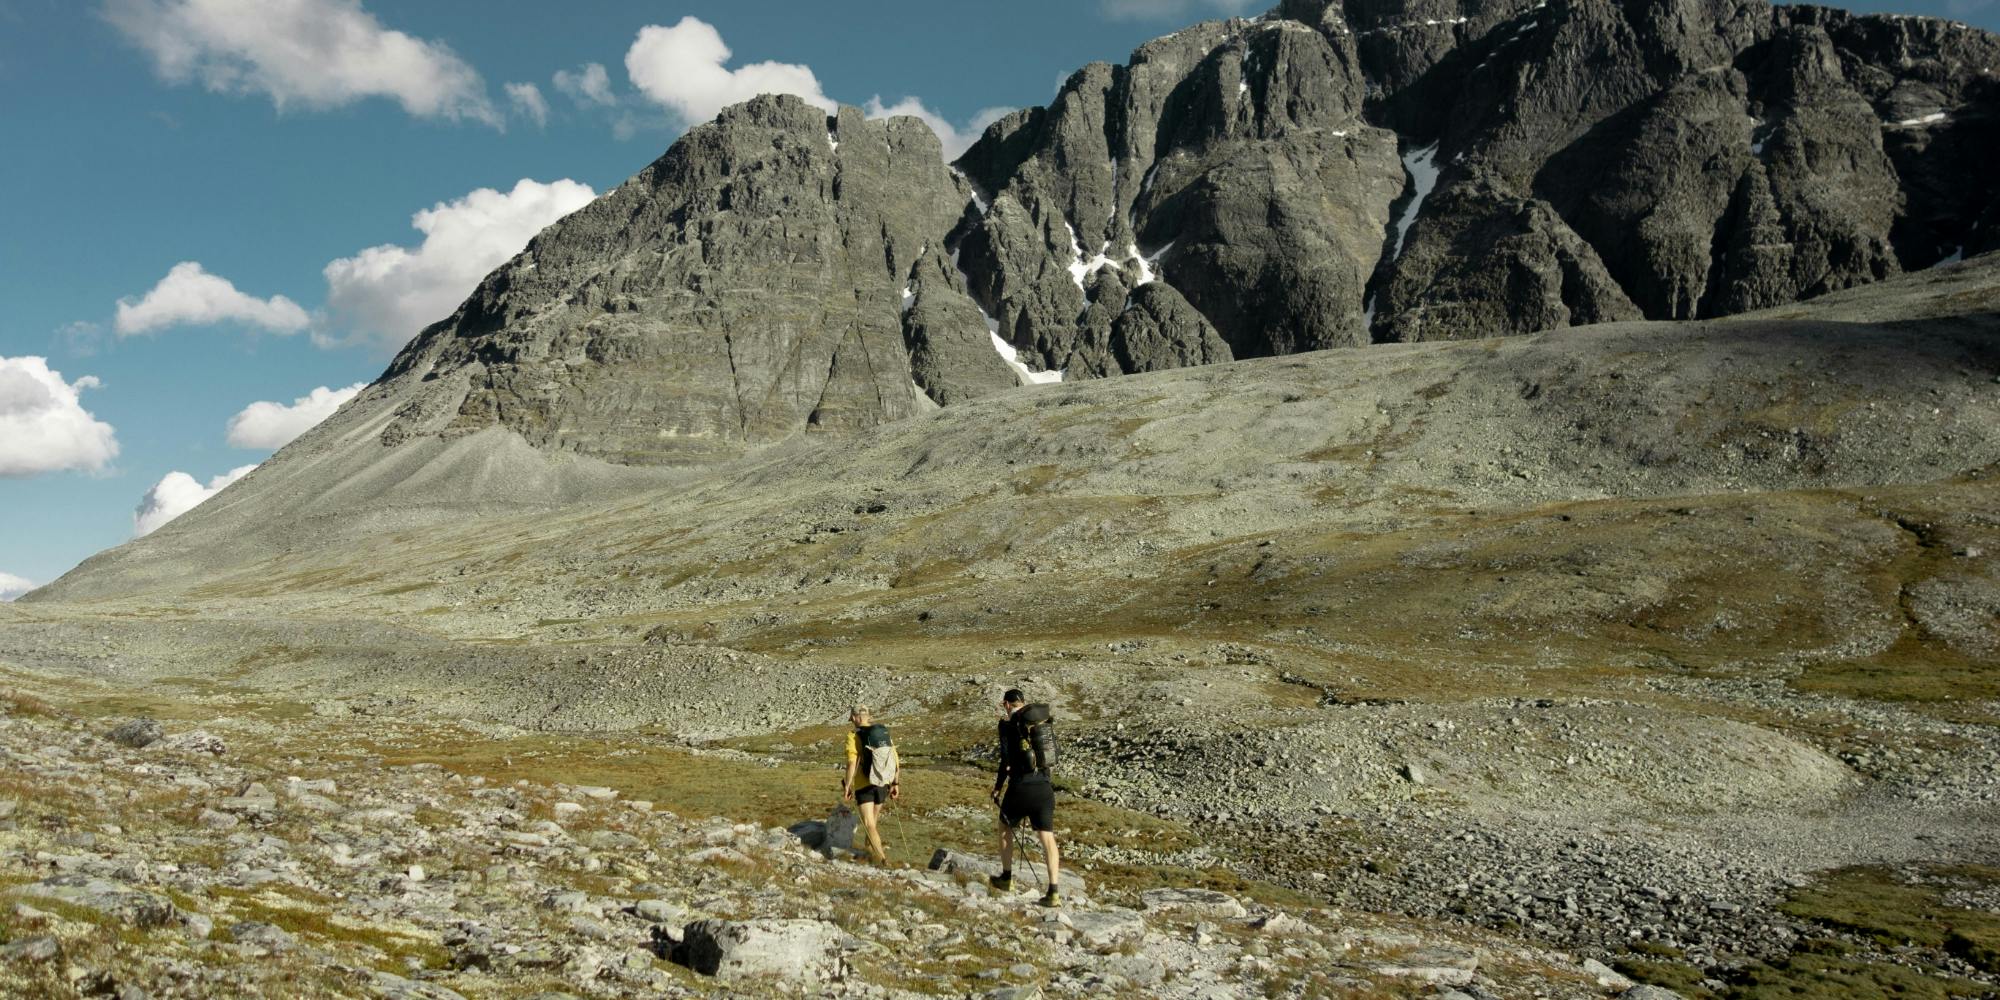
[854, 755]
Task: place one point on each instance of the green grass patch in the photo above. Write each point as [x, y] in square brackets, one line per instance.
[1807, 974]
[1896, 910]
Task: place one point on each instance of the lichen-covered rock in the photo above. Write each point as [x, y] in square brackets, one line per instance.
[114, 900]
[137, 733]
[1199, 902]
[808, 950]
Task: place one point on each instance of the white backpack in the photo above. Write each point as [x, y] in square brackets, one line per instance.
[883, 765]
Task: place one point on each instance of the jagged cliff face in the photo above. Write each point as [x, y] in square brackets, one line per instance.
[747, 285]
[1326, 175]
[1332, 174]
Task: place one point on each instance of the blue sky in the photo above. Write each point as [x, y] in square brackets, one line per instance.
[146, 134]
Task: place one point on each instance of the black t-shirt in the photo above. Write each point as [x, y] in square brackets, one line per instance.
[1017, 758]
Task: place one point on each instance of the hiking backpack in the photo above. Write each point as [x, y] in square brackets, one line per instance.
[1040, 726]
[884, 765]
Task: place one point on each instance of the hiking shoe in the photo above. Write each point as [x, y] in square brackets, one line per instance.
[1052, 898]
[1004, 883]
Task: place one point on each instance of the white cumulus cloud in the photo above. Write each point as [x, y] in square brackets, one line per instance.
[269, 425]
[954, 139]
[586, 85]
[309, 53]
[12, 586]
[529, 102]
[386, 294]
[175, 494]
[43, 425]
[190, 296]
[681, 69]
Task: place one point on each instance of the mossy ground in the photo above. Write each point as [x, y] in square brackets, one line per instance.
[1884, 934]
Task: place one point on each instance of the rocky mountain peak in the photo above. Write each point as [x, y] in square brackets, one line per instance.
[1324, 175]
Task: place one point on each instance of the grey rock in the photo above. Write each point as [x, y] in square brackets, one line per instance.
[194, 741]
[958, 862]
[1195, 902]
[113, 899]
[1444, 975]
[41, 948]
[394, 987]
[659, 911]
[1141, 969]
[808, 950]
[1646, 991]
[569, 902]
[1605, 975]
[137, 733]
[258, 934]
[1108, 928]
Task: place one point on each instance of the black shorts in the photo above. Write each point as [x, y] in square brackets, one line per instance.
[1033, 800]
[876, 794]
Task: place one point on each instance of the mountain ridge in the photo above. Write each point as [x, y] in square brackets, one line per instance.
[781, 274]
[1240, 188]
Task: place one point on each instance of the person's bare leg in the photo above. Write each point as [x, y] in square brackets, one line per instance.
[875, 852]
[1006, 848]
[1054, 858]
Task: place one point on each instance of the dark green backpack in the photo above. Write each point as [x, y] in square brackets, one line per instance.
[1040, 724]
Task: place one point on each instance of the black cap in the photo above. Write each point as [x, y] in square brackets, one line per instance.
[1013, 696]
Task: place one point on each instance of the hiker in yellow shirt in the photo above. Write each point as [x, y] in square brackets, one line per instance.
[872, 775]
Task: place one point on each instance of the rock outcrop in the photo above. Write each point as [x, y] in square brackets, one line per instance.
[748, 285]
[1561, 164]
[1325, 175]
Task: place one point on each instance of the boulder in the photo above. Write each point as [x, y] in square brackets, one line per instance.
[1195, 902]
[1645, 991]
[115, 900]
[137, 733]
[798, 950]
[258, 934]
[216, 820]
[1106, 929]
[659, 911]
[1605, 975]
[31, 950]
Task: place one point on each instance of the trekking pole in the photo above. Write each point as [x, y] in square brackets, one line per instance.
[1037, 840]
[1024, 850]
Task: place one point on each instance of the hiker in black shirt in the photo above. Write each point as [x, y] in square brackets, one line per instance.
[1022, 789]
